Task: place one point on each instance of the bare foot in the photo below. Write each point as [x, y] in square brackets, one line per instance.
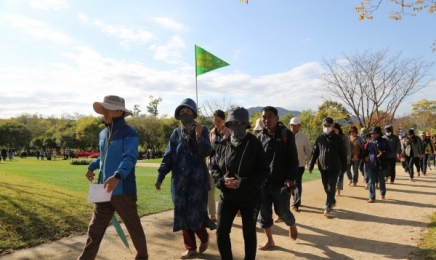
[187, 254]
[293, 233]
[278, 220]
[266, 245]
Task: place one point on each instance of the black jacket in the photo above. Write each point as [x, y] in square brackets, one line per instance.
[330, 152]
[252, 168]
[281, 153]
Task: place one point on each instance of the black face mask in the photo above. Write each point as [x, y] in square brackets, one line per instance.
[187, 118]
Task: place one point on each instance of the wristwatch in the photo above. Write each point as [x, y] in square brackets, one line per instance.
[117, 175]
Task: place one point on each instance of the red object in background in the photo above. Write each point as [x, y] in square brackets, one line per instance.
[87, 154]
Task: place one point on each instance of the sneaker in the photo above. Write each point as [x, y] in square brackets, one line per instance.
[326, 213]
[382, 197]
[295, 209]
[371, 201]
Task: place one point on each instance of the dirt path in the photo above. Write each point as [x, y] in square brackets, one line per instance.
[388, 229]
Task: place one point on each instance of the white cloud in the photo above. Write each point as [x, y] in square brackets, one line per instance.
[49, 4]
[170, 51]
[38, 29]
[127, 35]
[170, 24]
[82, 18]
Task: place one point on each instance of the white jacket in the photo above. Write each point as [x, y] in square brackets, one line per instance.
[304, 149]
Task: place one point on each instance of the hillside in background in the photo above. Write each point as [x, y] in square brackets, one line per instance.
[280, 110]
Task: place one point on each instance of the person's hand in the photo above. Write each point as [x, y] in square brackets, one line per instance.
[289, 183]
[90, 175]
[198, 130]
[111, 183]
[380, 153]
[355, 158]
[157, 185]
[232, 183]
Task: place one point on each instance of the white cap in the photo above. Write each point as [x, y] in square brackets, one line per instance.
[295, 121]
[259, 125]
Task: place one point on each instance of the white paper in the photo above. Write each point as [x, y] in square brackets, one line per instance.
[98, 194]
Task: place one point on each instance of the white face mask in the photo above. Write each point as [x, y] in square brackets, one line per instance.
[388, 133]
[327, 130]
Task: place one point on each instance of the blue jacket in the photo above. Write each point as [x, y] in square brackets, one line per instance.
[371, 151]
[121, 156]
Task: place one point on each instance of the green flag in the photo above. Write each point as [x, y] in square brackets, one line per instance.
[205, 61]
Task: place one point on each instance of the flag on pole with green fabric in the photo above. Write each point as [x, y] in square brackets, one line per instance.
[206, 61]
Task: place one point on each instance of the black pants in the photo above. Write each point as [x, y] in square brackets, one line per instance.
[298, 181]
[390, 171]
[410, 162]
[226, 214]
[329, 179]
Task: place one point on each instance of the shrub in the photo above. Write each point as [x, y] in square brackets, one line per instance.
[80, 162]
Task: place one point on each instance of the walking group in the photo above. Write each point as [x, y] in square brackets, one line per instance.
[257, 173]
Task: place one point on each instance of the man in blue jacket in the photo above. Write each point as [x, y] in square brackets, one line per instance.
[118, 145]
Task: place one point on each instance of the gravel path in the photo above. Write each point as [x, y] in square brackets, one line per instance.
[389, 229]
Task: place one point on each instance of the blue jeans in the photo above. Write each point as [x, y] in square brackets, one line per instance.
[271, 195]
[329, 179]
[354, 177]
[373, 175]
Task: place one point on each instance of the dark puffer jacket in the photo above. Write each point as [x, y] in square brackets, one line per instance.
[248, 160]
[330, 151]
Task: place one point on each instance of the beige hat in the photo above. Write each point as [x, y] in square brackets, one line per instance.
[112, 103]
[259, 125]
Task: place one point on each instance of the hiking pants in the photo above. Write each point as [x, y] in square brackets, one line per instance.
[125, 206]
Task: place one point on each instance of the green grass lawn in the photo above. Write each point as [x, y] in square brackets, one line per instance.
[45, 200]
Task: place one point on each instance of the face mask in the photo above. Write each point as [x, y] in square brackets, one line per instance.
[237, 132]
[327, 130]
[388, 133]
[187, 118]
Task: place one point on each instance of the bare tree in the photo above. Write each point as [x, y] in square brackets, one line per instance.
[374, 85]
[211, 105]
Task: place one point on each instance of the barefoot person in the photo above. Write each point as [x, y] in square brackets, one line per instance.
[281, 152]
[240, 169]
[330, 152]
[185, 157]
[116, 166]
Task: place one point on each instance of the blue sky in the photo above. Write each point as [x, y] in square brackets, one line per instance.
[58, 57]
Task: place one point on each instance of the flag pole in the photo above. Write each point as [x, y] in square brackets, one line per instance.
[195, 63]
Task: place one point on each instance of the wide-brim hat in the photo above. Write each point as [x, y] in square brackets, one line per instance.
[111, 102]
[189, 103]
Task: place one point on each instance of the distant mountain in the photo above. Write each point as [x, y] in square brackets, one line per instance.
[282, 111]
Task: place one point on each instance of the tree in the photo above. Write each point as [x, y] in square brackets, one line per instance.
[14, 134]
[371, 82]
[211, 105]
[367, 8]
[423, 113]
[152, 106]
[332, 109]
[87, 130]
[136, 110]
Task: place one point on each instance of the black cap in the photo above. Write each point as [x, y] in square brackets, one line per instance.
[376, 130]
[238, 113]
[411, 132]
[328, 120]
